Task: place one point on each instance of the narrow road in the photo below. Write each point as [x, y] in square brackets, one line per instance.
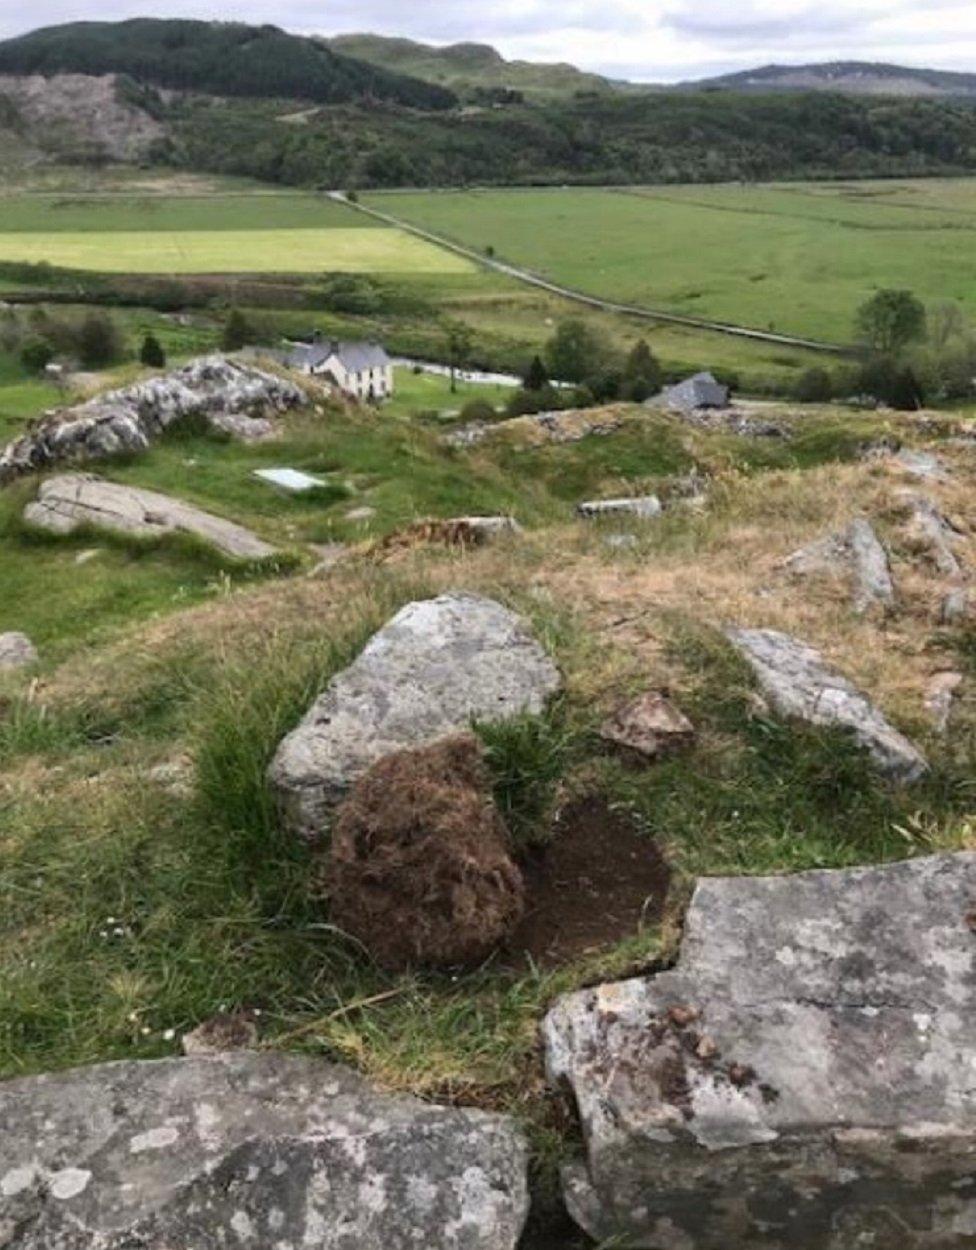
[581, 297]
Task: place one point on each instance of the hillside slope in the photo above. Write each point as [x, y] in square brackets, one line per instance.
[848, 78]
[229, 59]
[469, 67]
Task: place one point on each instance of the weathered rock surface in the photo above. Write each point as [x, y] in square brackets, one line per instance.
[921, 464]
[648, 726]
[955, 606]
[436, 666]
[258, 1150]
[856, 552]
[16, 651]
[67, 502]
[935, 532]
[795, 680]
[232, 397]
[940, 698]
[802, 1080]
[644, 507]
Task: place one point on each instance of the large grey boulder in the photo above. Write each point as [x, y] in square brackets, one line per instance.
[856, 552]
[16, 651]
[231, 397]
[66, 503]
[797, 682]
[249, 1150]
[802, 1080]
[435, 667]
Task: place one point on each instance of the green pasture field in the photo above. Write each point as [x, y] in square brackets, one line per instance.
[795, 258]
[219, 233]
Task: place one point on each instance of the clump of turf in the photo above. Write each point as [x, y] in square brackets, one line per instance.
[419, 870]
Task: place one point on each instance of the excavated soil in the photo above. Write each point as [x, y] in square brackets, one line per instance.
[597, 882]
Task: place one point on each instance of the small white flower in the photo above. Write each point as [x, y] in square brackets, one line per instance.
[169, 1035]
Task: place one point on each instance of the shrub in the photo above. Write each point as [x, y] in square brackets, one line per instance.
[238, 332]
[36, 354]
[151, 352]
[478, 410]
[814, 386]
[99, 341]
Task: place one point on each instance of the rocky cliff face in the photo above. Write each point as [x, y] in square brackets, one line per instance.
[72, 114]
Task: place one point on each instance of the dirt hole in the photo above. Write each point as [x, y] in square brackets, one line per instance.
[598, 881]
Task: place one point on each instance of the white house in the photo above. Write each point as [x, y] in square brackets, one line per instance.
[360, 370]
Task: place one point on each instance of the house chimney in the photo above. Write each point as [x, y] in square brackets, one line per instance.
[316, 336]
[335, 346]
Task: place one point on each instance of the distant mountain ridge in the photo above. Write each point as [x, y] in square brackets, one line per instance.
[468, 67]
[845, 77]
[216, 58]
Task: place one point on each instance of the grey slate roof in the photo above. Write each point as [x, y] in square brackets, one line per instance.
[700, 391]
[354, 357]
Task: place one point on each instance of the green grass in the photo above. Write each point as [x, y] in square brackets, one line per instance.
[418, 393]
[166, 214]
[273, 250]
[791, 258]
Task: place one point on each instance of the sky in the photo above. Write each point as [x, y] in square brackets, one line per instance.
[648, 40]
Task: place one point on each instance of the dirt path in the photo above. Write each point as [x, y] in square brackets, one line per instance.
[581, 297]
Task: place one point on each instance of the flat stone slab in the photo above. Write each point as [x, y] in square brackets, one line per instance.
[251, 1150]
[797, 682]
[67, 502]
[438, 665]
[645, 508]
[16, 651]
[232, 398]
[803, 1078]
[291, 480]
[857, 552]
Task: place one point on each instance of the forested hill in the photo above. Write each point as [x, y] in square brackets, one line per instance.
[616, 139]
[219, 58]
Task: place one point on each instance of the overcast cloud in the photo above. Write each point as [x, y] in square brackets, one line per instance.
[655, 40]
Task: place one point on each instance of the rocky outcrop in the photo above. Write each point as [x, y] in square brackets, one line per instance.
[644, 507]
[258, 1150]
[934, 532]
[648, 727]
[69, 115]
[856, 552]
[802, 1078]
[796, 681]
[16, 651]
[436, 666]
[70, 501]
[232, 398]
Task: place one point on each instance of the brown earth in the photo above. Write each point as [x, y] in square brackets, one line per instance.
[599, 881]
[419, 870]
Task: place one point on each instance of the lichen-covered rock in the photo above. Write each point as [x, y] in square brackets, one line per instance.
[233, 398]
[933, 531]
[797, 682]
[67, 502]
[435, 667]
[249, 1150]
[802, 1080]
[648, 727]
[857, 553]
[16, 651]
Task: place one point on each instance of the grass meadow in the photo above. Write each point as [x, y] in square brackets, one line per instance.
[796, 258]
[220, 233]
